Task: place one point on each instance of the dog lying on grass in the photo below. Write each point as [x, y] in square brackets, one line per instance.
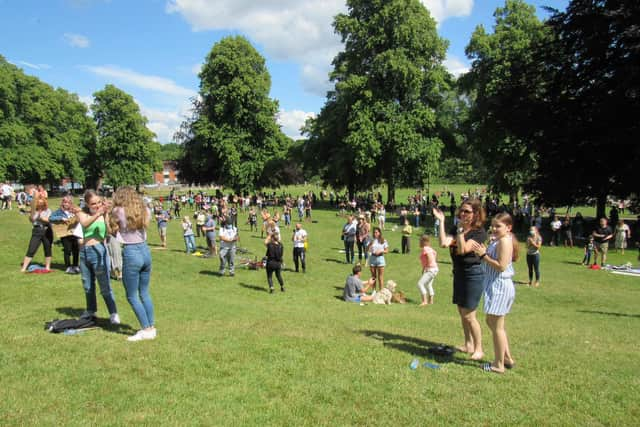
[386, 294]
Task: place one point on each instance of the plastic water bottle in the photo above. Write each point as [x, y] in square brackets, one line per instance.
[431, 365]
[414, 364]
[73, 332]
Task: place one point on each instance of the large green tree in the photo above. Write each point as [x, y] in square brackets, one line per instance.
[592, 131]
[126, 152]
[233, 133]
[45, 133]
[506, 86]
[379, 123]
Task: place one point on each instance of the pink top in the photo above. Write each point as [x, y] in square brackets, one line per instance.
[428, 258]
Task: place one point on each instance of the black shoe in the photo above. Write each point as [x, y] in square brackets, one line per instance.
[282, 288]
[270, 290]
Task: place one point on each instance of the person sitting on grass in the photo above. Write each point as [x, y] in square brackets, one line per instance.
[355, 289]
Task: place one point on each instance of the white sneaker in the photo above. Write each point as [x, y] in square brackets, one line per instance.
[143, 335]
[76, 270]
[88, 314]
[114, 319]
[69, 270]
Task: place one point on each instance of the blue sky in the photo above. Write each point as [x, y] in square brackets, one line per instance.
[152, 49]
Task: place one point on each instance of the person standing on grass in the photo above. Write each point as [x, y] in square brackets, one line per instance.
[428, 259]
[362, 238]
[209, 229]
[130, 219]
[228, 241]
[70, 246]
[377, 249]
[349, 231]
[468, 277]
[407, 231]
[274, 260]
[40, 233]
[623, 233]
[534, 243]
[187, 233]
[499, 291]
[555, 225]
[299, 253]
[162, 218]
[95, 264]
[602, 235]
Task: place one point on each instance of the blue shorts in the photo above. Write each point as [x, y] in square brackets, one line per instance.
[352, 299]
[376, 261]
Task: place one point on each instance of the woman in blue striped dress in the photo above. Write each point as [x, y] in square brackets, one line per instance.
[499, 291]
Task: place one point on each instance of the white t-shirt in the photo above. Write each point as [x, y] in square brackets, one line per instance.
[299, 237]
[228, 233]
[555, 225]
[6, 190]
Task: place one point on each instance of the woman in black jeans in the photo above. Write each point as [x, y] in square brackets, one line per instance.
[40, 233]
[274, 260]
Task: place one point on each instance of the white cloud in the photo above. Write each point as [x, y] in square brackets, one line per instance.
[31, 65]
[154, 83]
[455, 65]
[77, 40]
[443, 9]
[195, 68]
[292, 121]
[299, 31]
[165, 123]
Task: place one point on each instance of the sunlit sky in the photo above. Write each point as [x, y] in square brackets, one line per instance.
[153, 49]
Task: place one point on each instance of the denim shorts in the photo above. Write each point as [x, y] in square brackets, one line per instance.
[377, 261]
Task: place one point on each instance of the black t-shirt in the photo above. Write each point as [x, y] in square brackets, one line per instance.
[606, 231]
[460, 262]
[274, 255]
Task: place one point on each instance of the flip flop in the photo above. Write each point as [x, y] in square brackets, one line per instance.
[510, 365]
[488, 368]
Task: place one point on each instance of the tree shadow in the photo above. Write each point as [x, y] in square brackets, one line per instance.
[608, 313]
[417, 347]
[254, 287]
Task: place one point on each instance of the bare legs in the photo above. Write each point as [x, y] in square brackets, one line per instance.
[27, 260]
[472, 333]
[377, 273]
[501, 349]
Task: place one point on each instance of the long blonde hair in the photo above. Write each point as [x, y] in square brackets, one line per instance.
[133, 206]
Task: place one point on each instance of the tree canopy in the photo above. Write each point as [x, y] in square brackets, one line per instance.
[125, 153]
[45, 133]
[379, 123]
[233, 132]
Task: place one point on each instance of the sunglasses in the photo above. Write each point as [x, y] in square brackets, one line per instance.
[467, 211]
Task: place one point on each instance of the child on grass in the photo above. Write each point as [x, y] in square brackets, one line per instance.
[589, 249]
[189, 238]
[428, 259]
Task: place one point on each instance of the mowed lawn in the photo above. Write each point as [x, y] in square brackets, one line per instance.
[229, 353]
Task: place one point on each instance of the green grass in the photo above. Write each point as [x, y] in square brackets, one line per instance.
[228, 353]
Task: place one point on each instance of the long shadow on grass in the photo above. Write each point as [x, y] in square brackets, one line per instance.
[572, 262]
[334, 260]
[209, 273]
[415, 347]
[607, 313]
[101, 323]
[253, 287]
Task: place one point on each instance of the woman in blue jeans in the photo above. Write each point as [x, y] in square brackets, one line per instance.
[130, 219]
[94, 257]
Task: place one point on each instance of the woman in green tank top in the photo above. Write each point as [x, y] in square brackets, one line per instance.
[94, 257]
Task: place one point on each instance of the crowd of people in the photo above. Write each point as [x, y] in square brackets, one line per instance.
[104, 240]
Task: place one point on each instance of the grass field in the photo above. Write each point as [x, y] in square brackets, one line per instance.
[229, 353]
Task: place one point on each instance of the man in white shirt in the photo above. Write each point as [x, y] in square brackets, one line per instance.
[228, 240]
[7, 195]
[299, 253]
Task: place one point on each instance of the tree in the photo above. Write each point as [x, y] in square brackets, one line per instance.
[233, 133]
[379, 123]
[45, 133]
[506, 85]
[171, 151]
[125, 153]
[591, 137]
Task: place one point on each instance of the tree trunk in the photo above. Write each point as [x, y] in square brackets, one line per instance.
[601, 205]
[391, 193]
